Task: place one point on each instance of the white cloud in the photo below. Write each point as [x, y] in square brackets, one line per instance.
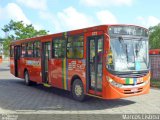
[34, 4]
[67, 19]
[102, 3]
[13, 11]
[73, 19]
[51, 19]
[106, 17]
[148, 21]
[70, 18]
[38, 26]
[1, 12]
[153, 21]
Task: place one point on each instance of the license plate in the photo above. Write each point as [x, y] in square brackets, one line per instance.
[134, 90]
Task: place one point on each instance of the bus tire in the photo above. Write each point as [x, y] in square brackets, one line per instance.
[27, 79]
[78, 90]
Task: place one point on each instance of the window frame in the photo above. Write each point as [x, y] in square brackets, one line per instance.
[53, 49]
[26, 44]
[30, 49]
[75, 46]
[38, 49]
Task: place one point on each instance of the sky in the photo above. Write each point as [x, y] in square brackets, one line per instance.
[64, 15]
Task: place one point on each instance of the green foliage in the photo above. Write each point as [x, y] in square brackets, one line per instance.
[154, 37]
[155, 83]
[6, 45]
[17, 30]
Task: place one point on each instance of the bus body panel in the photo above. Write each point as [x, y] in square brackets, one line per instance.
[62, 71]
[33, 66]
[12, 65]
[75, 68]
[56, 72]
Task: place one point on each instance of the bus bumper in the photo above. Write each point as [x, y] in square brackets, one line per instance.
[112, 92]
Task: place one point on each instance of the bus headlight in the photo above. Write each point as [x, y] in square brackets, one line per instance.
[112, 82]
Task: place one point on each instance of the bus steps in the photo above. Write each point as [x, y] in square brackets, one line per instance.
[94, 96]
[46, 85]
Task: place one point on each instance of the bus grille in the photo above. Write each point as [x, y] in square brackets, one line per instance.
[130, 92]
[132, 75]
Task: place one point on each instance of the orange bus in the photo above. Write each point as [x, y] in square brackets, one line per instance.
[106, 61]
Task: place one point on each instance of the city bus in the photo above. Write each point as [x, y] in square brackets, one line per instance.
[105, 61]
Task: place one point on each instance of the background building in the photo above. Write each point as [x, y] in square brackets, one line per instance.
[155, 63]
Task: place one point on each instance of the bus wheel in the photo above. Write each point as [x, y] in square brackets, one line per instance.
[26, 78]
[78, 90]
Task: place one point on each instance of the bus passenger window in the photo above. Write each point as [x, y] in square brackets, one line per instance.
[75, 46]
[30, 49]
[79, 52]
[36, 51]
[59, 48]
[24, 46]
[69, 53]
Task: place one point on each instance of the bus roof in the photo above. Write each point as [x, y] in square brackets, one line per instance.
[78, 31]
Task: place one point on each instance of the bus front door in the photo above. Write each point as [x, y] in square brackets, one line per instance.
[17, 53]
[94, 64]
[46, 55]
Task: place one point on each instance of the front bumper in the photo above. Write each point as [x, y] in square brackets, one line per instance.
[112, 92]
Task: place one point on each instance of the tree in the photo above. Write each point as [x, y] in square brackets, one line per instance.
[17, 30]
[154, 37]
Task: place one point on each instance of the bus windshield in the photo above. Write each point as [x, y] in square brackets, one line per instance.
[129, 53]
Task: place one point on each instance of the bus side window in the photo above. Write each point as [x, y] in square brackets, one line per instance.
[69, 52]
[59, 48]
[30, 49]
[23, 54]
[36, 51]
[75, 46]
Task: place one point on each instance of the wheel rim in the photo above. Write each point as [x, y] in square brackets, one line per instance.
[26, 78]
[78, 90]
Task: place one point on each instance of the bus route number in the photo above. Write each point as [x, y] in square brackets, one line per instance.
[94, 33]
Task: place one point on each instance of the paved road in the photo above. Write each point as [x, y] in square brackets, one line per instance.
[15, 97]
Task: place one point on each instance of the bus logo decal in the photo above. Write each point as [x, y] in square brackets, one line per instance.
[33, 63]
[76, 65]
[133, 80]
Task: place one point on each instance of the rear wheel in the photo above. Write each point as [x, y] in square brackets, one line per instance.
[78, 90]
[26, 79]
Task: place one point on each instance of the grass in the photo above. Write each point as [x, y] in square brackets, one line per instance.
[155, 83]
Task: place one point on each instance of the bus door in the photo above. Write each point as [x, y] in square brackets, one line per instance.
[94, 64]
[17, 54]
[46, 55]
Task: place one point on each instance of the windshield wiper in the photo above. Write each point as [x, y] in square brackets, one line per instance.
[138, 46]
[127, 52]
[125, 48]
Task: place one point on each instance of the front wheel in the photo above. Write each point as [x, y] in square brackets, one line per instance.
[78, 90]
